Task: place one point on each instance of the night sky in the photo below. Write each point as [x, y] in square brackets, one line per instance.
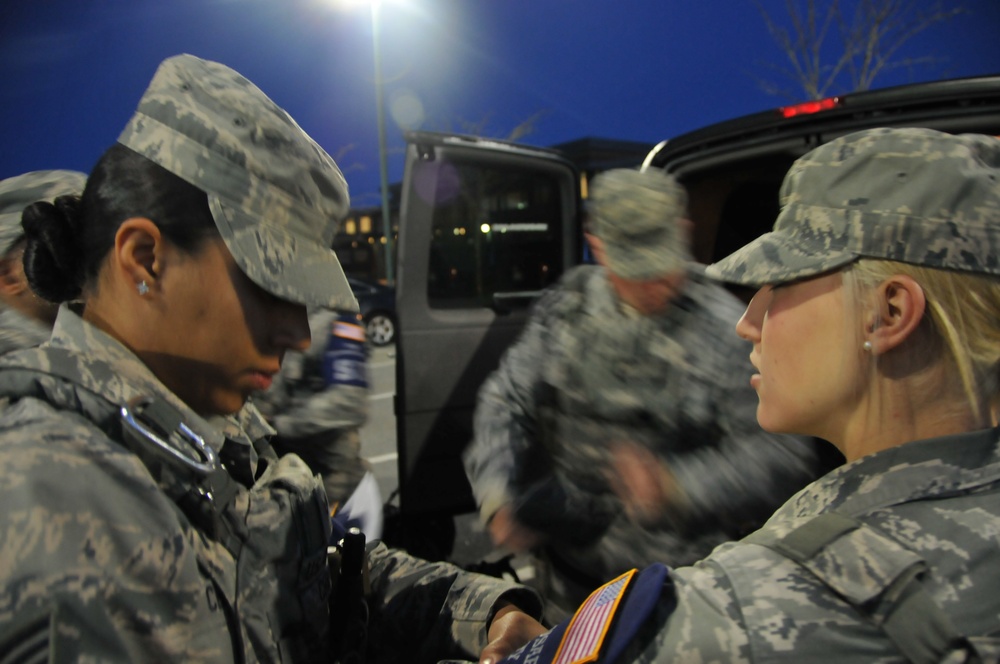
[642, 70]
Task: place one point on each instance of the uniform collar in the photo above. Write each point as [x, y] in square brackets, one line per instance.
[922, 469]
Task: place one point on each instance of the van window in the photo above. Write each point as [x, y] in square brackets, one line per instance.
[496, 230]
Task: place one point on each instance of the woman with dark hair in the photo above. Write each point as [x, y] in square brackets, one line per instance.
[145, 517]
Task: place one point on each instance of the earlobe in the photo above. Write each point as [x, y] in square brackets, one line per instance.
[901, 305]
[138, 248]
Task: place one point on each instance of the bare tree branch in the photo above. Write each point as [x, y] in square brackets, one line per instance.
[871, 34]
[524, 128]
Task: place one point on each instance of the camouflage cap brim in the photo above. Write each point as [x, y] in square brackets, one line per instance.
[276, 196]
[809, 240]
[910, 195]
[289, 267]
[806, 241]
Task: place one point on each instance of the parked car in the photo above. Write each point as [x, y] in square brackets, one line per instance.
[378, 310]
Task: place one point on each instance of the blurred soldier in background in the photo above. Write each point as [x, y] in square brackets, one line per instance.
[26, 319]
[623, 365]
[318, 404]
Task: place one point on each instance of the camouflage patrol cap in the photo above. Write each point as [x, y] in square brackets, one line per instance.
[276, 196]
[911, 195]
[637, 215]
[20, 191]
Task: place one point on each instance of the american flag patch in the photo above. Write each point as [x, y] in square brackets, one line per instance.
[585, 634]
[348, 331]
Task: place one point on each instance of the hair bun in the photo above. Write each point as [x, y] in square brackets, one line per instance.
[52, 253]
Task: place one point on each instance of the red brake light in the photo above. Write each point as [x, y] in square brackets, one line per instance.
[808, 107]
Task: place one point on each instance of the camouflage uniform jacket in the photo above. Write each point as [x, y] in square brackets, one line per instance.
[584, 374]
[320, 422]
[97, 561]
[18, 331]
[937, 500]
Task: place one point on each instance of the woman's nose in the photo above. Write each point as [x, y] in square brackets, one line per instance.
[748, 327]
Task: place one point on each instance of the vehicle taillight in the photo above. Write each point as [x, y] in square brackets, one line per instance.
[809, 107]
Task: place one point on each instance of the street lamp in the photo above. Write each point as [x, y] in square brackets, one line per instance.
[383, 168]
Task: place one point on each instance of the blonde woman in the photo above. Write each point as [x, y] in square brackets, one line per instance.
[877, 327]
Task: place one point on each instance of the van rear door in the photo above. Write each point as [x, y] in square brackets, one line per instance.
[485, 226]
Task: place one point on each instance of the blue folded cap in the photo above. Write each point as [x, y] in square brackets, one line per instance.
[605, 624]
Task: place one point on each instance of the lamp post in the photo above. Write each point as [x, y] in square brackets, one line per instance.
[383, 168]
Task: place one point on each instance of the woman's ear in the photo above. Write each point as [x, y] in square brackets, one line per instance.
[139, 251]
[901, 305]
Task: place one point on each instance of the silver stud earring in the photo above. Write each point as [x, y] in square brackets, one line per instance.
[142, 287]
[866, 345]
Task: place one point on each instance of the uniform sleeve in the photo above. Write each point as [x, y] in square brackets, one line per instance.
[424, 611]
[505, 418]
[704, 625]
[748, 603]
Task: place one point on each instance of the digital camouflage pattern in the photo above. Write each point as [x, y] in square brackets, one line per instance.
[939, 499]
[911, 195]
[19, 331]
[276, 196]
[584, 374]
[319, 422]
[20, 191]
[92, 545]
[636, 214]
[97, 560]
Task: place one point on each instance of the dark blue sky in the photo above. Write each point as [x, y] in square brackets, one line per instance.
[72, 71]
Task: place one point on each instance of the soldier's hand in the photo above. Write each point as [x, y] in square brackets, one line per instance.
[641, 481]
[506, 531]
[511, 628]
